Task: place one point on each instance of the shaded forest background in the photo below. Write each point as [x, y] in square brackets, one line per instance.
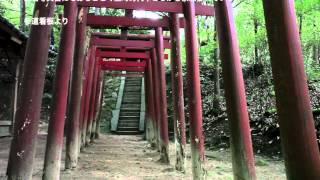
[255, 58]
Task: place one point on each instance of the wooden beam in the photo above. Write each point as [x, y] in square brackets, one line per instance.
[128, 36]
[123, 68]
[95, 21]
[123, 63]
[126, 75]
[126, 43]
[160, 6]
[117, 49]
[128, 49]
[115, 54]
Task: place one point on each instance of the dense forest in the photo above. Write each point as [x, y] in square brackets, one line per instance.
[255, 58]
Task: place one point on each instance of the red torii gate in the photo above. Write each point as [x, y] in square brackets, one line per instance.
[293, 104]
[123, 66]
[127, 43]
[96, 21]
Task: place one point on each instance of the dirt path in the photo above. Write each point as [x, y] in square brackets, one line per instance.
[130, 158]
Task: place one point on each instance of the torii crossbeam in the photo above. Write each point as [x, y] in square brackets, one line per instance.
[159, 6]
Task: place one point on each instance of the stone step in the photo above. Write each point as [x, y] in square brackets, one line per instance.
[137, 86]
[132, 87]
[133, 84]
[128, 124]
[131, 96]
[131, 101]
[129, 118]
[130, 106]
[135, 121]
[128, 129]
[132, 91]
[129, 114]
[126, 109]
[128, 132]
[133, 79]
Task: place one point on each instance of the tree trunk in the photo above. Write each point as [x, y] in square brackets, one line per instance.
[256, 51]
[314, 52]
[318, 52]
[22, 15]
[300, 23]
[217, 67]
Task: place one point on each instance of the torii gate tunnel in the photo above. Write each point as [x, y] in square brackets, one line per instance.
[144, 54]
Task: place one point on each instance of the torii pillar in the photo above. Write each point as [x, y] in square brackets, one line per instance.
[156, 96]
[60, 99]
[194, 92]
[73, 142]
[241, 145]
[297, 130]
[151, 121]
[177, 93]
[89, 88]
[27, 118]
[92, 104]
[87, 67]
[98, 103]
[164, 134]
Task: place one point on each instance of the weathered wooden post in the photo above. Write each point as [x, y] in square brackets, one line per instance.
[99, 101]
[96, 103]
[147, 109]
[86, 70]
[151, 107]
[164, 134]
[296, 122]
[54, 146]
[177, 93]
[27, 118]
[241, 145]
[89, 85]
[91, 106]
[156, 95]
[194, 92]
[73, 135]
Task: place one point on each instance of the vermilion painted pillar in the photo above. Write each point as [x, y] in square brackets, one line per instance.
[164, 134]
[177, 93]
[58, 112]
[27, 117]
[297, 128]
[152, 111]
[194, 92]
[99, 100]
[95, 103]
[87, 67]
[147, 110]
[73, 129]
[89, 85]
[241, 145]
[155, 85]
[150, 103]
[91, 105]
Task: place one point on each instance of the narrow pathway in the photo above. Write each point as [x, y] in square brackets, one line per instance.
[128, 157]
[121, 157]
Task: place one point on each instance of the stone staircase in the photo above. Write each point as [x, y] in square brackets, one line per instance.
[129, 117]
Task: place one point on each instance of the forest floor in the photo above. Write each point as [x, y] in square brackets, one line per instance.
[130, 158]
